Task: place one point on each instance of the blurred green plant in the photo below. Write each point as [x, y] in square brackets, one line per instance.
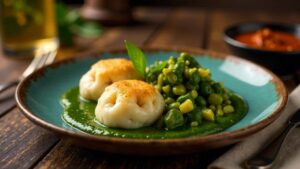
[70, 23]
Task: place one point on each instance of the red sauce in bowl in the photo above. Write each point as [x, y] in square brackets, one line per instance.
[270, 40]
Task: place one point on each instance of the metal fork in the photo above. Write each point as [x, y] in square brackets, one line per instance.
[42, 58]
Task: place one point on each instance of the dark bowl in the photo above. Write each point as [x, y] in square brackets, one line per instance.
[280, 62]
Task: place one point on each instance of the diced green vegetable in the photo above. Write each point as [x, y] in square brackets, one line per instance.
[166, 88]
[194, 124]
[172, 78]
[174, 105]
[228, 109]
[179, 90]
[215, 99]
[183, 98]
[169, 100]
[195, 116]
[194, 94]
[201, 101]
[173, 119]
[190, 93]
[205, 89]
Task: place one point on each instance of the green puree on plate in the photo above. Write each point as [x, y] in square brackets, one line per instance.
[80, 114]
[194, 103]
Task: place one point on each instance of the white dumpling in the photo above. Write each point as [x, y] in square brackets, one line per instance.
[104, 73]
[129, 104]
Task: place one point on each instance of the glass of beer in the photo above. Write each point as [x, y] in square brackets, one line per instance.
[27, 26]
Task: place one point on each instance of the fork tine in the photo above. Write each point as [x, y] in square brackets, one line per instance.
[31, 67]
[38, 62]
[51, 58]
[43, 60]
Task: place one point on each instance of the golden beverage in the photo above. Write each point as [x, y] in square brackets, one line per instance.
[27, 26]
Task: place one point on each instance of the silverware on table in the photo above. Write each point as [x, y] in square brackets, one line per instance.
[265, 159]
[42, 58]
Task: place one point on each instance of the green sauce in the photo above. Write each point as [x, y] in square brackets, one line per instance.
[80, 114]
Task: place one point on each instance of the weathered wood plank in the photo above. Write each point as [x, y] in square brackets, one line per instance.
[147, 21]
[10, 68]
[7, 101]
[68, 156]
[21, 143]
[113, 37]
[221, 19]
[170, 33]
[185, 27]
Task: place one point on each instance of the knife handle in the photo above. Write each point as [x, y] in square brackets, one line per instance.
[265, 158]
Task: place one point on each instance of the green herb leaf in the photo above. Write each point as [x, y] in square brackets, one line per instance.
[87, 29]
[159, 66]
[70, 23]
[61, 13]
[137, 57]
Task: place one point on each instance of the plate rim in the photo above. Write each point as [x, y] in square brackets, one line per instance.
[235, 135]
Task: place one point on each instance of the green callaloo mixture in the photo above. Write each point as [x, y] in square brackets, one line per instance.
[191, 96]
[194, 103]
[81, 114]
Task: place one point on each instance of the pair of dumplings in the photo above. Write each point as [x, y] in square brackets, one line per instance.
[122, 101]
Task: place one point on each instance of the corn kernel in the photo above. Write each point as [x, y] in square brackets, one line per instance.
[228, 109]
[158, 87]
[192, 70]
[175, 105]
[183, 54]
[204, 72]
[171, 67]
[194, 94]
[220, 112]
[160, 79]
[166, 71]
[186, 72]
[179, 90]
[212, 107]
[166, 89]
[186, 106]
[169, 100]
[208, 115]
[227, 102]
[194, 124]
[187, 62]
[171, 61]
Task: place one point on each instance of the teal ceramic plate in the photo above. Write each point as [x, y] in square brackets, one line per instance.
[38, 97]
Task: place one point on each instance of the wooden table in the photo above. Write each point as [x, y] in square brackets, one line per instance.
[25, 145]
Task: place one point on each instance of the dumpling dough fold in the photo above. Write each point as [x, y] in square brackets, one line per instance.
[129, 104]
[102, 74]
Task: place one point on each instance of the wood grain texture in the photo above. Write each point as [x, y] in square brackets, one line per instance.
[22, 144]
[185, 27]
[220, 19]
[10, 69]
[7, 101]
[68, 156]
[146, 22]
[169, 33]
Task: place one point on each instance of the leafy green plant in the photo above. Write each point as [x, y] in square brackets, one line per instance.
[137, 57]
[70, 23]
